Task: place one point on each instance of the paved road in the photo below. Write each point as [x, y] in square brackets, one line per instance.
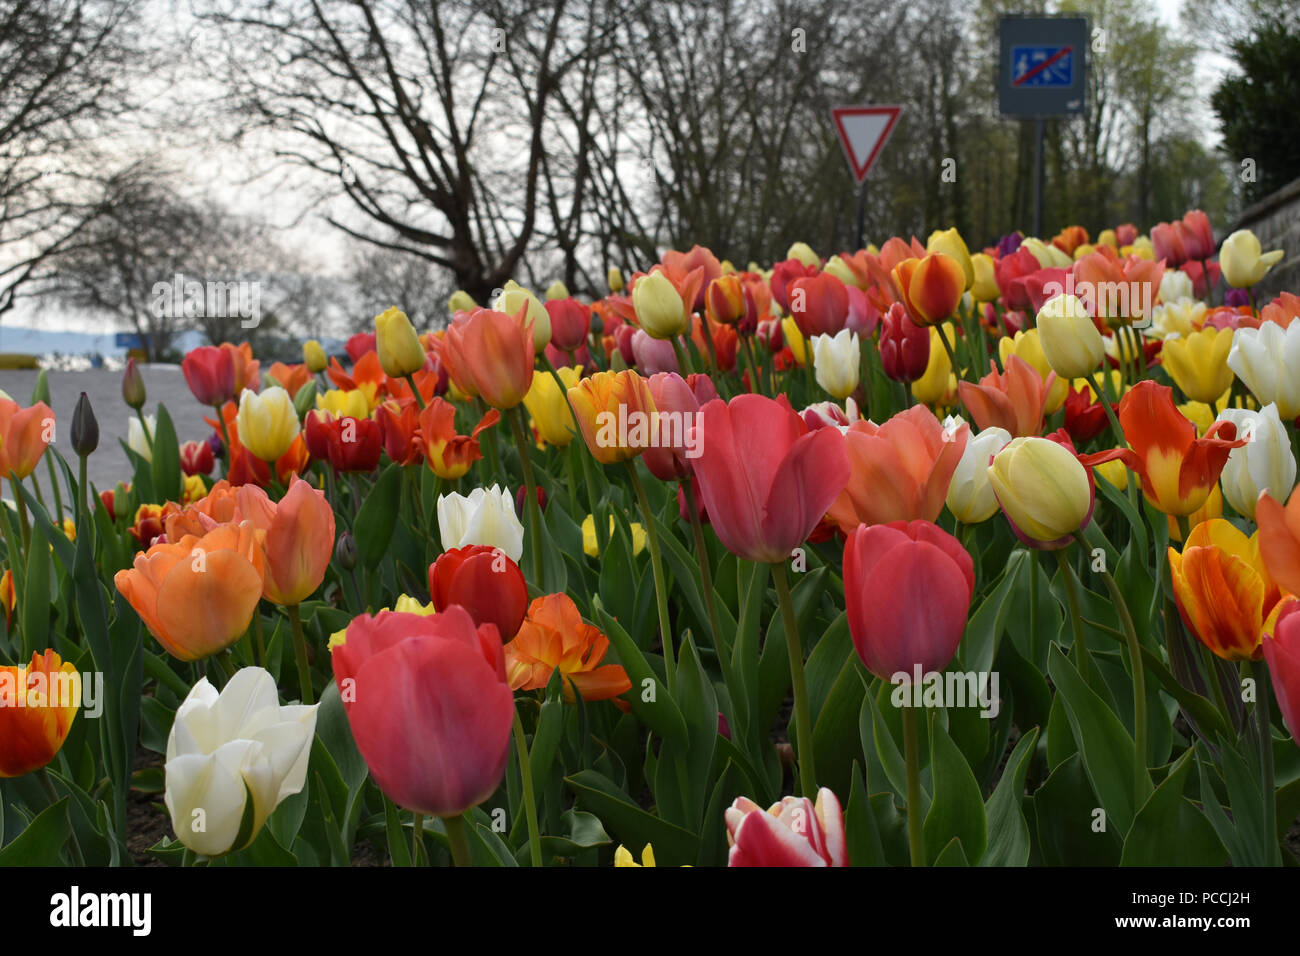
[109, 464]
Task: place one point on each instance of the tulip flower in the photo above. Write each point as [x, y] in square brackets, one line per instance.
[136, 438]
[678, 401]
[299, 538]
[659, 307]
[794, 832]
[197, 595]
[899, 471]
[225, 749]
[485, 582]
[1085, 417]
[931, 287]
[970, 494]
[614, 410]
[652, 355]
[313, 356]
[38, 704]
[765, 479]
[448, 454]
[197, 458]
[1224, 594]
[289, 377]
[819, 304]
[570, 323]
[1264, 463]
[348, 444]
[837, 361]
[554, 636]
[938, 386]
[1070, 341]
[591, 547]
[210, 373]
[984, 287]
[724, 300]
[549, 406]
[623, 857]
[1243, 260]
[487, 517]
[133, 392]
[150, 521]
[398, 345]
[614, 279]
[1198, 363]
[267, 423]
[516, 300]
[7, 597]
[951, 244]
[1267, 360]
[557, 290]
[803, 252]
[491, 354]
[1177, 468]
[1015, 399]
[1043, 489]
[399, 427]
[904, 345]
[794, 341]
[1279, 537]
[24, 435]
[1282, 652]
[461, 301]
[428, 705]
[1176, 286]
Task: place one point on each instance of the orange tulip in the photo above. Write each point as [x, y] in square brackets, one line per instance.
[1014, 399]
[219, 506]
[448, 454]
[198, 595]
[367, 376]
[7, 596]
[1128, 286]
[1177, 469]
[491, 354]
[299, 538]
[24, 434]
[37, 706]
[931, 287]
[554, 635]
[1224, 593]
[1279, 539]
[290, 377]
[899, 471]
[614, 410]
[724, 300]
[246, 367]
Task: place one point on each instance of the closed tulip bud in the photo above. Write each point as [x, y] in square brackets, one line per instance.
[514, 299]
[794, 340]
[1264, 463]
[41, 390]
[549, 407]
[133, 385]
[1048, 256]
[485, 582]
[1198, 363]
[931, 287]
[1175, 286]
[313, 356]
[1043, 490]
[230, 748]
[34, 719]
[951, 244]
[659, 308]
[837, 361]
[837, 267]
[345, 551]
[984, 287]
[197, 458]
[85, 430]
[1267, 360]
[212, 374]
[305, 400]
[135, 436]
[461, 301]
[819, 304]
[557, 290]
[1243, 261]
[970, 494]
[487, 517]
[613, 411]
[491, 354]
[1071, 343]
[268, 423]
[614, 279]
[904, 345]
[400, 351]
[803, 252]
[570, 323]
[724, 300]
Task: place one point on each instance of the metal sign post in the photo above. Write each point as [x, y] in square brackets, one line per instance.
[863, 131]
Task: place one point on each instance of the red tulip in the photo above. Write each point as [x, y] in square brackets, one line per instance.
[904, 345]
[399, 424]
[359, 344]
[210, 373]
[197, 458]
[485, 582]
[347, 443]
[1010, 273]
[1168, 239]
[907, 588]
[1282, 652]
[429, 706]
[794, 832]
[674, 394]
[1198, 235]
[783, 274]
[819, 304]
[765, 479]
[570, 323]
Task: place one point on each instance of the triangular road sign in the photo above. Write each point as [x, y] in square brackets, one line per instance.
[863, 131]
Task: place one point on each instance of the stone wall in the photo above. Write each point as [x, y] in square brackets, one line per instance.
[1276, 220]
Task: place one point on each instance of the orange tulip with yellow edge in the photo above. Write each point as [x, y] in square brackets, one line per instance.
[614, 410]
[554, 635]
[448, 454]
[931, 287]
[33, 729]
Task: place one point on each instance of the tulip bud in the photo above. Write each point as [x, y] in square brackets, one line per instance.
[305, 400]
[970, 495]
[951, 244]
[659, 308]
[133, 385]
[614, 279]
[724, 300]
[313, 356]
[1069, 339]
[41, 391]
[1264, 463]
[516, 297]
[1043, 490]
[400, 351]
[557, 290]
[985, 287]
[803, 252]
[345, 551]
[1243, 260]
[837, 361]
[268, 423]
[85, 430]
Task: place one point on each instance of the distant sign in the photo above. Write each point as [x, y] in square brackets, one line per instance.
[127, 340]
[1043, 65]
[863, 131]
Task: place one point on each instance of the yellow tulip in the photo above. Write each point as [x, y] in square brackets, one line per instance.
[951, 244]
[350, 403]
[837, 267]
[399, 348]
[985, 287]
[556, 290]
[614, 278]
[592, 549]
[623, 857]
[794, 339]
[938, 385]
[803, 252]
[659, 307]
[515, 297]
[1198, 363]
[1243, 260]
[1070, 342]
[1029, 347]
[1042, 488]
[267, 423]
[313, 356]
[461, 301]
[550, 408]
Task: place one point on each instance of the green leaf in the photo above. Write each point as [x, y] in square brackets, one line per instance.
[35, 605]
[876, 737]
[952, 855]
[378, 516]
[41, 843]
[979, 644]
[1065, 813]
[1009, 842]
[1169, 830]
[957, 810]
[860, 830]
[660, 713]
[166, 469]
[632, 826]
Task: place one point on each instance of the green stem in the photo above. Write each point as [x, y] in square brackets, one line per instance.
[148, 435]
[83, 497]
[952, 356]
[261, 641]
[912, 753]
[300, 653]
[48, 785]
[225, 435]
[661, 588]
[530, 492]
[1100, 382]
[417, 838]
[802, 713]
[530, 799]
[755, 381]
[684, 365]
[15, 484]
[419, 399]
[702, 552]
[1264, 717]
[1082, 659]
[456, 838]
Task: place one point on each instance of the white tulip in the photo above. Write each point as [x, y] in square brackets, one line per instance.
[837, 360]
[135, 439]
[486, 517]
[1264, 463]
[1176, 286]
[970, 495]
[1267, 360]
[225, 748]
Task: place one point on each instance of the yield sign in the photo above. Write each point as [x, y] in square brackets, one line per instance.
[863, 131]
